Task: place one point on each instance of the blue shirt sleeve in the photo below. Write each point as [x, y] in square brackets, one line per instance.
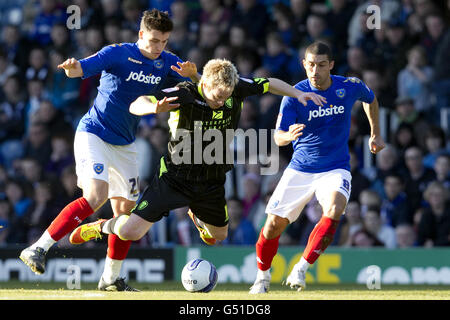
[287, 115]
[364, 93]
[102, 60]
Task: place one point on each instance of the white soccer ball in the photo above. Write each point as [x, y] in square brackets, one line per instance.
[199, 275]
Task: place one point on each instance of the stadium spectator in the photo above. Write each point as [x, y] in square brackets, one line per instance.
[317, 29]
[5, 219]
[404, 138]
[209, 38]
[434, 144]
[30, 170]
[301, 10]
[376, 79]
[70, 190]
[417, 176]
[213, 12]
[180, 228]
[44, 209]
[383, 232]
[442, 169]
[369, 198]
[441, 83]
[253, 16]
[338, 16]
[359, 180]
[395, 208]
[415, 79]
[16, 46]
[351, 223]
[240, 229]
[37, 64]
[434, 223]
[132, 11]
[110, 9]
[7, 68]
[252, 193]
[20, 201]
[356, 61]
[61, 156]
[63, 92]
[283, 24]
[50, 13]
[435, 31]
[387, 162]
[405, 236]
[61, 39]
[38, 143]
[54, 119]
[406, 112]
[364, 239]
[111, 31]
[358, 22]
[11, 122]
[277, 58]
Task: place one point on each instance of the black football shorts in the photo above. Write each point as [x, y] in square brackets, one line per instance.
[165, 193]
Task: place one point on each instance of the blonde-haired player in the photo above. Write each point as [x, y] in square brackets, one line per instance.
[215, 103]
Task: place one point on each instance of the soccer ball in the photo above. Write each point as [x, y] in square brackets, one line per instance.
[199, 275]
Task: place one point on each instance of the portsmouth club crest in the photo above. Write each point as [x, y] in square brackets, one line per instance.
[340, 93]
[98, 168]
[158, 64]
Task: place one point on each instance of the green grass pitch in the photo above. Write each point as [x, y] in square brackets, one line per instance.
[15, 290]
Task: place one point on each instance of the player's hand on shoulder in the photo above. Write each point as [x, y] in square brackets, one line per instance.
[295, 131]
[185, 69]
[376, 144]
[304, 97]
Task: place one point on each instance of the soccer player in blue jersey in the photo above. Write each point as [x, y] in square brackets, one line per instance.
[105, 152]
[319, 165]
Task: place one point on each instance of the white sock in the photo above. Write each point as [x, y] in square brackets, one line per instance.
[263, 274]
[112, 269]
[302, 265]
[45, 242]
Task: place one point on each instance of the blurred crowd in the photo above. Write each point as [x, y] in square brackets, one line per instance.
[399, 199]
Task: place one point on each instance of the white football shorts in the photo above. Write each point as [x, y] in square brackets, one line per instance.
[295, 189]
[117, 165]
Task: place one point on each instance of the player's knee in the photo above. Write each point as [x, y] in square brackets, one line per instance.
[335, 211]
[274, 226]
[96, 197]
[126, 233]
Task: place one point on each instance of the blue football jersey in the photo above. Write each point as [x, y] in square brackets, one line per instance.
[126, 74]
[324, 143]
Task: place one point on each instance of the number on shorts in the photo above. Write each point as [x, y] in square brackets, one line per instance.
[346, 184]
[134, 182]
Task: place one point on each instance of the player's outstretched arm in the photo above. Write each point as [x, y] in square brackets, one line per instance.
[376, 142]
[72, 68]
[279, 87]
[283, 138]
[149, 105]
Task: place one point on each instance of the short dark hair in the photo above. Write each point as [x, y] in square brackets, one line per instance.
[318, 48]
[156, 20]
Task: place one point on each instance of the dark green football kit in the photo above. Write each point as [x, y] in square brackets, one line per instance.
[186, 177]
